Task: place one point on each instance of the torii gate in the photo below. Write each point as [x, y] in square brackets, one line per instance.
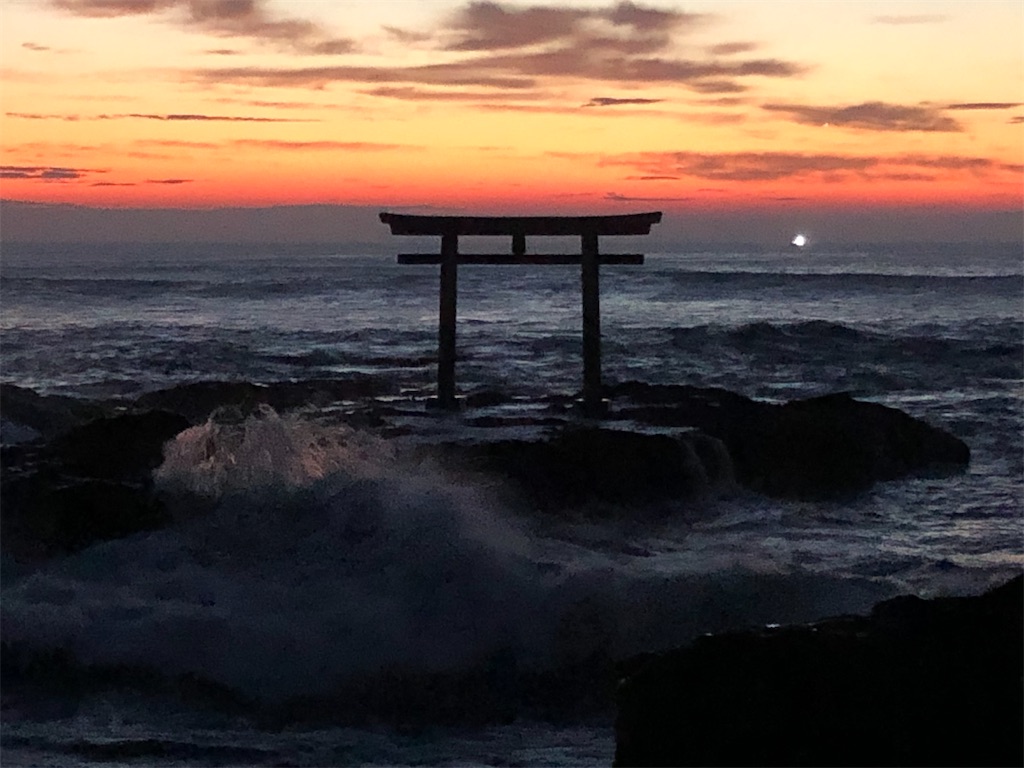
[588, 228]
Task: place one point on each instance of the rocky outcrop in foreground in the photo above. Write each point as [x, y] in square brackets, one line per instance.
[918, 682]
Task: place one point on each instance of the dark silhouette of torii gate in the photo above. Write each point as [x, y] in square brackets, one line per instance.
[588, 228]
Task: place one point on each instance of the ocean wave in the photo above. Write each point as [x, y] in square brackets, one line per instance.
[992, 350]
[310, 561]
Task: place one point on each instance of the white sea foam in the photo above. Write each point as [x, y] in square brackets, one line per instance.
[321, 555]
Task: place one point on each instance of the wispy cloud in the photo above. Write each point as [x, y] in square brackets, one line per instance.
[39, 116]
[412, 93]
[42, 172]
[251, 19]
[871, 115]
[454, 74]
[509, 47]
[728, 49]
[902, 19]
[625, 27]
[773, 166]
[175, 144]
[169, 181]
[333, 146]
[633, 199]
[204, 118]
[166, 118]
[36, 47]
[606, 101]
[986, 105]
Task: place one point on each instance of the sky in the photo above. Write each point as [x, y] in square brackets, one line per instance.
[859, 118]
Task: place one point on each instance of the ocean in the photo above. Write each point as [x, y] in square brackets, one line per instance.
[322, 554]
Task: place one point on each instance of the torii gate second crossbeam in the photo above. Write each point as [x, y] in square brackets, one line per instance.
[588, 228]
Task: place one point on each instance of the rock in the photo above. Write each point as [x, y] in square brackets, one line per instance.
[918, 682]
[126, 447]
[196, 401]
[45, 415]
[582, 465]
[811, 449]
[92, 483]
[68, 518]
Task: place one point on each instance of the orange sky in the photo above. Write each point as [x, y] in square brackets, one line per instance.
[484, 106]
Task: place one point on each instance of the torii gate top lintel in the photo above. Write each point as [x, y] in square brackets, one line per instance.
[588, 228]
[627, 224]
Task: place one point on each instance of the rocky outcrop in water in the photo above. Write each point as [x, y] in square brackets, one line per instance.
[589, 465]
[85, 473]
[918, 682]
[91, 483]
[815, 448]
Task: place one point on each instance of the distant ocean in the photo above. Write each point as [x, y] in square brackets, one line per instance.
[268, 594]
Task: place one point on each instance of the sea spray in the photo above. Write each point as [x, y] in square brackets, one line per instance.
[319, 557]
[227, 454]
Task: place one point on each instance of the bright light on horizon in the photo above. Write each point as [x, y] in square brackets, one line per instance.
[800, 240]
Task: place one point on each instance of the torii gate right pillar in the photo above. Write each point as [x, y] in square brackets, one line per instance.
[590, 283]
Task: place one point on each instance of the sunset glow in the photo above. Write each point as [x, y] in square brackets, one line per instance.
[604, 106]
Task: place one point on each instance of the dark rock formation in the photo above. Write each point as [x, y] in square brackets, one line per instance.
[125, 447]
[815, 448]
[582, 465]
[92, 483]
[196, 401]
[48, 415]
[918, 682]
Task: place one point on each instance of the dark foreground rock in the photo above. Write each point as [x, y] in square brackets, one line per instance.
[46, 416]
[918, 682]
[815, 448]
[91, 483]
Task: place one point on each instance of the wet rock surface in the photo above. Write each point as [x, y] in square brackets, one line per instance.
[84, 474]
[816, 448]
[918, 682]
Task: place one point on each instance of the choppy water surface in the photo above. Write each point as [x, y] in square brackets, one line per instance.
[316, 564]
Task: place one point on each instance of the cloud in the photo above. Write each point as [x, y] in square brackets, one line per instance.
[250, 19]
[113, 184]
[986, 105]
[411, 93]
[169, 181]
[176, 144]
[746, 166]
[652, 178]
[718, 86]
[1016, 120]
[871, 115]
[38, 116]
[36, 47]
[902, 19]
[772, 166]
[626, 27]
[629, 199]
[42, 173]
[205, 118]
[605, 101]
[304, 146]
[405, 36]
[727, 49]
[319, 77]
[509, 47]
[170, 117]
